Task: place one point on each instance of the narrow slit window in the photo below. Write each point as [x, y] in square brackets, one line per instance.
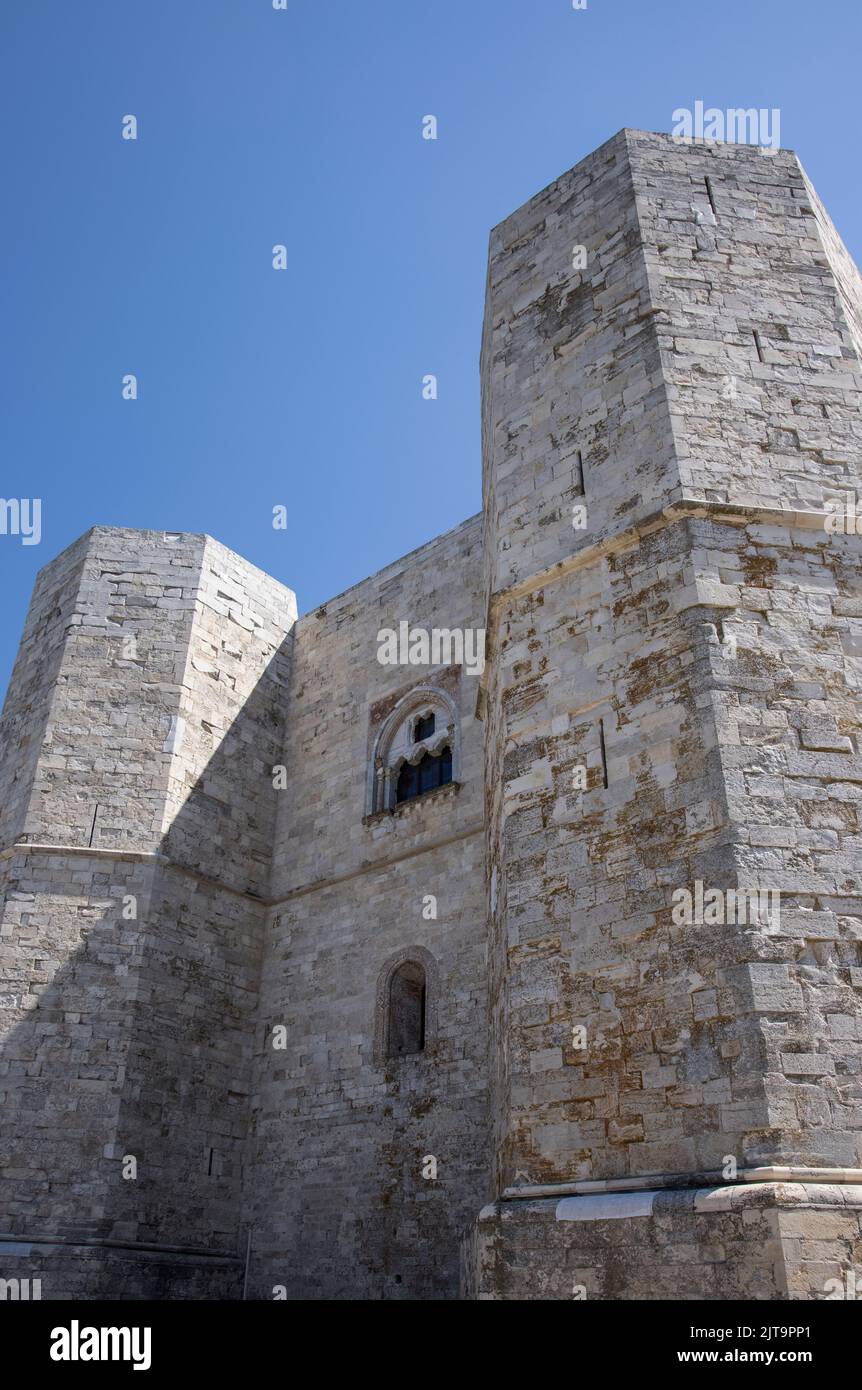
[603, 753]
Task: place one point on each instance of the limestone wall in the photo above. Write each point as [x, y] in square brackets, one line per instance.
[753, 307]
[133, 890]
[674, 693]
[335, 1193]
[767, 1241]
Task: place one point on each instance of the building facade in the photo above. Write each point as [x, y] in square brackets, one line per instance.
[536, 976]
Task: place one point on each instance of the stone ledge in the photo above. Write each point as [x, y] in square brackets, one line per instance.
[405, 808]
[650, 1182]
[614, 1206]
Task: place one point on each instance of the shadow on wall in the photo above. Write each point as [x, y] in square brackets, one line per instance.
[134, 1158]
[129, 993]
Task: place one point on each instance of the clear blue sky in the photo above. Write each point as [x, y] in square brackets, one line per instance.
[304, 127]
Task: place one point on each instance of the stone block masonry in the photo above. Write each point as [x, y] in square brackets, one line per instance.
[209, 878]
[338, 1192]
[139, 734]
[673, 701]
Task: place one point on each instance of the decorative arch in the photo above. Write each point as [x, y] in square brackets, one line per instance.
[396, 743]
[410, 956]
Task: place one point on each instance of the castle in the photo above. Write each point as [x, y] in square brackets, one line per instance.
[325, 976]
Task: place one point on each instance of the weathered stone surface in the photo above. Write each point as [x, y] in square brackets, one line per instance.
[771, 1241]
[675, 689]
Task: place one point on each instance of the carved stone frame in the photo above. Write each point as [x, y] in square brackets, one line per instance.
[422, 956]
[382, 772]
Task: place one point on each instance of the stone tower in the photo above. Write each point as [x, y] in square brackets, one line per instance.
[640, 1070]
[672, 709]
[136, 830]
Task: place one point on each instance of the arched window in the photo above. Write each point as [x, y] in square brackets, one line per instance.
[405, 1023]
[405, 1006]
[417, 750]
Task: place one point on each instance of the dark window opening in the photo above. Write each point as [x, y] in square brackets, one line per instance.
[425, 776]
[406, 1020]
[424, 728]
[408, 783]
